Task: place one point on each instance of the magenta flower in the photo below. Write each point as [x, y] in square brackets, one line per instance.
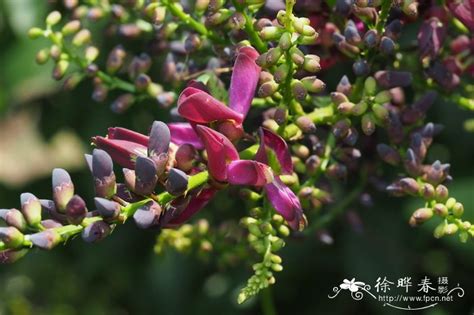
[182, 133]
[199, 107]
[463, 11]
[195, 204]
[224, 165]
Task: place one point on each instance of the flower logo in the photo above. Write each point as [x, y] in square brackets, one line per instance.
[352, 285]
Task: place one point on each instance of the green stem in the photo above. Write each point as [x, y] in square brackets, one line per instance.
[254, 38]
[268, 306]
[386, 5]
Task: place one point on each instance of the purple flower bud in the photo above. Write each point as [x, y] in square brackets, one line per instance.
[418, 146]
[305, 124]
[13, 217]
[122, 103]
[145, 176]
[177, 182]
[63, 188]
[419, 108]
[95, 231]
[343, 7]
[387, 45]
[411, 163]
[445, 78]
[409, 186]
[420, 216]
[31, 208]
[76, 210]
[361, 68]
[344, 86]
[312, 164]
[50, 224]
[158, 145]
[103, 174]
[431, 37]
[10, 255]
[115, 59]
[393, 29]
[351, 137]
[371, 38]
[390, 79]
[45, 240]
[351, 33]
[388, 154]
[185, 157]
[341, 128]
[107, 208]
[441, 193]
[11, 237]
[49, 207]
[124, 193]
[148, 215]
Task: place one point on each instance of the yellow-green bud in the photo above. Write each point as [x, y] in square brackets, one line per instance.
[370, 86]
[53, 18]
[71, 27]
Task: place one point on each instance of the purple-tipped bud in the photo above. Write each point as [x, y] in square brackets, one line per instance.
[76, 210]
[31, 208]
[368, 124]
[393, 29]
[351, 33]
[371, 38]
[122, 103]
[305, 124]
[387, 45]
[107, 209]
[418, 146]
[388, 154]
[148, 215]
[420, 216]
[177, 182]
[95, 232]
[10, 255]
[351, 137]
[391, 79]
[313, 84]
[145, 176]
[344, 86]
[431, 38]
[103, 174]
[312, 164]
[130, 178]
[343, 7]
[115, 59]
[409, 185]
[45, 240]
[185, 157]
[63, 188]
[445, 78]
[13, 217]
[298, 90]
[11, 237]
[361, 68]
[50, 224]
[158, 145]
[50, 208]
[411, 163]
[341, 128]
[441, 193]
[427, 191]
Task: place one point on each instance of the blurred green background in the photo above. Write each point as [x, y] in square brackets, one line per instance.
[42, 127]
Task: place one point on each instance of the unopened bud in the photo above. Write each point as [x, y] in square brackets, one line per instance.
[63, 188]
[115, 59]
[76, 210]
[148, 215]
[177, 182]
[81, 38]
[305, 124]
[95, 231]
[108, 209]
[71, 27]
[311, 63]
[13, 217]
[122, 103]
[267, 89]
[46, 240]
[31, 208]
[298, 90]
[103, 174]
[442, 193]
[313, 84]
[368, 124]
[11, 237]
[420, 216]
[53, 18]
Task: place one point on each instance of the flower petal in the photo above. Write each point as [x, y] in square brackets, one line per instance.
[247, 172]
[272, 141]
[197, 203]
[220, 151]
[182, 133]
[464, 12]
[122, 152]
[120, 133]
[200, 107]
[286, 203]
[244, 80]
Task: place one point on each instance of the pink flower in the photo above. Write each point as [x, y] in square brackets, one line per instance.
[463, 11]
[199, 107]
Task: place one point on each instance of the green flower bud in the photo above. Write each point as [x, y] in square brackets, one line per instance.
[285, 41]
[81, 38]
[298, 90]
[313, 84]
[370, 86]
[368, 124]
[311, 63]
[249, 194]
[72, 81]
[35, 32]
[380, 112]
[458, 209]
[450, 229]
[297, 56]
[11, 237]
[266, 228]
[269, 33]
[71, 27]
[360, 108]
[338, 98]
[463, 236]
[284, 230]
[201, 5]
[42, 56]
[53, 18]
[383, 97]
[302, 26]
[91, 53]
[450, 203]
[272, 56]
[267, 89]
[281, 73]
[439, 230]
[308, 40]
[277, 244]
[420, 216]
[427, 191]
[277, 267]
[254, 230]
[31, 208]
[441, 210]
[345, 107]
[60, 69]
[218, 17]
[55, 52]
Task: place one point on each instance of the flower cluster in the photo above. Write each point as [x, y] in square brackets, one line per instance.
[298, 148]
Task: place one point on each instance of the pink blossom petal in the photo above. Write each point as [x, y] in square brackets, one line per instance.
[195, 205]
[247, 172]
[244, 80]
[122, 152]
[182, 133]
[120, 133]
[286, 203]
[463, 11]
[272, 141]
[220, 152]
[200, 107]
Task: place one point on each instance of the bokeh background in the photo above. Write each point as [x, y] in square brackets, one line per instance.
[42, 127]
